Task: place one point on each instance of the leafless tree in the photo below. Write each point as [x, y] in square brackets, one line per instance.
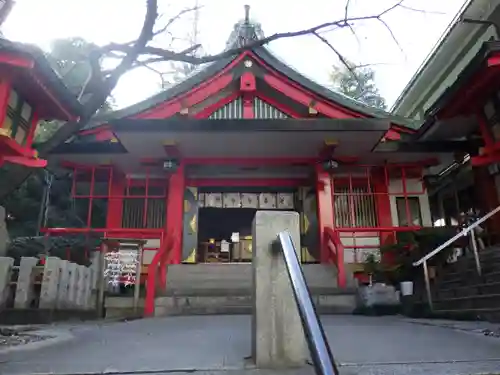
[141, 52]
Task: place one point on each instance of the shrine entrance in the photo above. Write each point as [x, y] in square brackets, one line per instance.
[224, 218]
[225, 235]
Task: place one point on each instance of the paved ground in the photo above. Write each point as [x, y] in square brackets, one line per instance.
[216, 344]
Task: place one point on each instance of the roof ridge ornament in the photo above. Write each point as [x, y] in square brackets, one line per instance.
[247, 14]
[245, 32]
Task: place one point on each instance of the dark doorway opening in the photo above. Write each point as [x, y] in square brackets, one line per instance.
[217, 225]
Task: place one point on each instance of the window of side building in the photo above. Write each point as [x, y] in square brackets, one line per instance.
[408, 210]
[18, 118]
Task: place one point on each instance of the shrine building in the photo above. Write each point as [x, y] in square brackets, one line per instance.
[250, 133]
[187, 169]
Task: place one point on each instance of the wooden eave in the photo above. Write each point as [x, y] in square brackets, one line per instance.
[475, 84]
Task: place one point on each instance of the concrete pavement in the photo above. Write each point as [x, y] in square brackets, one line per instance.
[220, 344]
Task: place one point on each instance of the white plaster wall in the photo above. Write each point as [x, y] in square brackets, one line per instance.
[150, 248]
[358, 255]
[413, 185]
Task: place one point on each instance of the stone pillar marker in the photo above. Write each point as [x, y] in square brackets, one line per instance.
[50, 283]
[87, 281]
[25, 279]
[62, 292]
[72, 284]
[80, 290]
[278, 338]
[5, 275]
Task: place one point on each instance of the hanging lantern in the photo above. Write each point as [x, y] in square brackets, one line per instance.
[330, 165]
[170, 165]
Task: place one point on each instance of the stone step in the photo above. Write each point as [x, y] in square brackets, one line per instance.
[467, 290]
[466, 278]
[183, 278]
[483, 301]
[337, 301]
[227, 289]
[469, 266]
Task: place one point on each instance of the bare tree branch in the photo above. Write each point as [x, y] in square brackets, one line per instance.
[140, 53]
[157, 54]
[141, 48]
[99, 97]
[339, 55]
[420, 10]
[346, 10]
[178, 16]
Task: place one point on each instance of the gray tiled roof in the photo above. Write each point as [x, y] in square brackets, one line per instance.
[245, 32]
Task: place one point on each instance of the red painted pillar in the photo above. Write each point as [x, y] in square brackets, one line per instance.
[325, 206]
[115, 201]
[382, 205]
[175, 211]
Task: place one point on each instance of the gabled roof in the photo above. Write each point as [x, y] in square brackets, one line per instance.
[244, 33]
[447, 55]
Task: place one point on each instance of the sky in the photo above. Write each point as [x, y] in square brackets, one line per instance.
[394, 48]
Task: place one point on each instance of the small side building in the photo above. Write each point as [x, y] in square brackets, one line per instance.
[30, 91]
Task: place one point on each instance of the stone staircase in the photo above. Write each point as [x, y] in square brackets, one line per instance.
[227, 289]
[459, 292]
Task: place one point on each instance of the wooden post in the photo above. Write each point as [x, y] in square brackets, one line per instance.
[137, 287]
[101, 280]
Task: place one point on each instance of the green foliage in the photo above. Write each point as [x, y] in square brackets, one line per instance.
[371, 265]
[70, 59]
[45, 130]
[358, 84]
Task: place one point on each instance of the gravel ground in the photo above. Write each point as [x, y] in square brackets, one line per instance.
[14, 337]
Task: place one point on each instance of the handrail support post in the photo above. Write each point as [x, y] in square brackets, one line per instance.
[428, 285]
[473, 242]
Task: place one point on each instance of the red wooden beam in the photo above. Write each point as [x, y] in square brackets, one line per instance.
[472, 95]
[392, 135]
[170, 108]
[22, 160]
[274, 103]
[17, 61]
[4, 99]
[248, 182]
[209, 110]
[251, 162]
[306, 99]
[248, 87]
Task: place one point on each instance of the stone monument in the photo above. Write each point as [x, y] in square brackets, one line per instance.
[278, 338]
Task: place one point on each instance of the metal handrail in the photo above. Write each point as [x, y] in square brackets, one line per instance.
[456, 237]
[317, 342]
[423, 261]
